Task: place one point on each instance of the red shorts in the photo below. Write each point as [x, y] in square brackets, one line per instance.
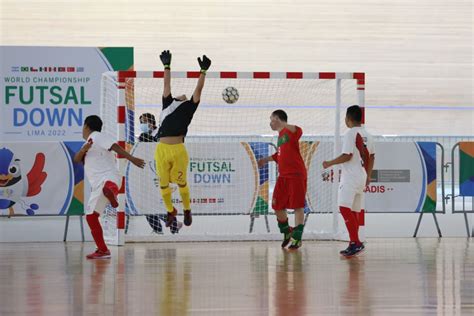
[289, 193]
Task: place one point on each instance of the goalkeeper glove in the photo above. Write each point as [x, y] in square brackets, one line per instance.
[166, 58]
[205, 63]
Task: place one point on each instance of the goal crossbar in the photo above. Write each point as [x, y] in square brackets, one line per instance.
[120, 77]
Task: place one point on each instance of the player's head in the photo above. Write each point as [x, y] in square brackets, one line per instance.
[353, 116]
[147, 122]
[92, 123]
[181, 98]
[278, 120]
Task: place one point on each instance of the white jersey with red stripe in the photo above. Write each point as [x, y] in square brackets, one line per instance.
[99, 162]
[359, 144]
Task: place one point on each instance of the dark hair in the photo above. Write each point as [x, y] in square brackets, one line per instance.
[354, 112]
[281, 115]
[150, 118]
[94, 123]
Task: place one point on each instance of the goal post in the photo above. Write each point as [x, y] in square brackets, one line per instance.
[224, 142]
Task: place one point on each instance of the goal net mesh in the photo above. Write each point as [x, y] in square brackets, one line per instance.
[230, 196]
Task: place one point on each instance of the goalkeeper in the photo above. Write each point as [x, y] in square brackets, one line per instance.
[149, 134]
[171, 156]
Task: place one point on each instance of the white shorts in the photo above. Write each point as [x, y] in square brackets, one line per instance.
[351, 197]
[97, 200]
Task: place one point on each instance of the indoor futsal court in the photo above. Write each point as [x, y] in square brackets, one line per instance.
[238, 157]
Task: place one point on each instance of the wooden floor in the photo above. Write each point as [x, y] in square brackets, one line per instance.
[394, 276]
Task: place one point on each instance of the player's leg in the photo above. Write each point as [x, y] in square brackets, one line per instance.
[176, 226]
[360, 215]
[284, 226]
[297, 197]
[351, 223]
[154, 222]
[361, 221]
[297, 234]
[179, 176]
[357, 208]
[279, 202]
[97, 203]
[346, 199]
[110, 190]
[356, 246]
[163, 158]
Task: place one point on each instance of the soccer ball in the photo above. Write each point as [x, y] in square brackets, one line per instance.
[230, 95]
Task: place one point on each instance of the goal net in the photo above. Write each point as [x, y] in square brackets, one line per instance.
[230, 195]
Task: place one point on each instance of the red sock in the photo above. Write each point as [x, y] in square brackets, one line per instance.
[351, 223]
[112, 187]
[110, 191]
[361, 218]
[356, 216]
[96, 231]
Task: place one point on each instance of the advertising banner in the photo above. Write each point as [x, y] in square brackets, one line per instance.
[40, 178]
[403, 179]
[223, 179]
[47, 92]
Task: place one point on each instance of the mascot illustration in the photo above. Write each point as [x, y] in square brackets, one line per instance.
[14, 185]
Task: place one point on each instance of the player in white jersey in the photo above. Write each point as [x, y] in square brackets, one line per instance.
[357, 161]
[100, 168]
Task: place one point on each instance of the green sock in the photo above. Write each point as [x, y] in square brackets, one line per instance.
[298, 232]
[284, 227]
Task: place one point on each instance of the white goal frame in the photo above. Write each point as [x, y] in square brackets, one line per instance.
[121, 77]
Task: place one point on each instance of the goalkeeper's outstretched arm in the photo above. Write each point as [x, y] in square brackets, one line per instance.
[166, 60]
[204, 63]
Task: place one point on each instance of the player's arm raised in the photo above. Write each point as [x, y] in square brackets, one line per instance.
[204, 63]
[140, 163]
[166, 60]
